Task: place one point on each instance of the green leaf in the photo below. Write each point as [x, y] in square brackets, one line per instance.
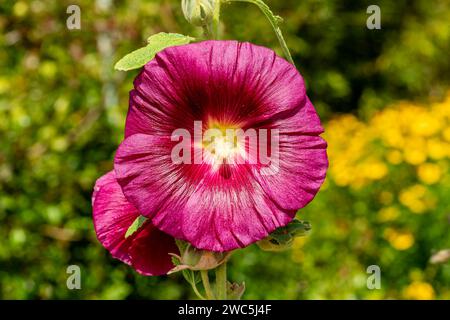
[156, 43]
[295, 228]
[298, 228]
[282, 238]
[135, 226]
[165, 40]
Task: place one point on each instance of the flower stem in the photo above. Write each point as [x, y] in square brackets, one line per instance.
[221, 281]
[212, 29]
[207, 285]
[207, 32]
[216, 21]
[198, 294]
[274, 20]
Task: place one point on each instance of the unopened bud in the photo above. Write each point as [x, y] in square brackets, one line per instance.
[235, 290]
[199, 12]
[196, 260]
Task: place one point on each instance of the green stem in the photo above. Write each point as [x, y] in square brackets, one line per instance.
[212, 30]
[206, 285]
[197, 293]
[207, 32]
[221, 281]
[274, 23]
[216, 21]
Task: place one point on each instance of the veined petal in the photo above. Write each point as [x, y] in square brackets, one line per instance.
[196, 203]
[300, 173]
[113, 215]
[229, 81]
[150, 250]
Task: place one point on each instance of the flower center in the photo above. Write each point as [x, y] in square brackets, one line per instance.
[221, 147]
[221, 144]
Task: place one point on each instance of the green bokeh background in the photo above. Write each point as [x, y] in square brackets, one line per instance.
[62, 114]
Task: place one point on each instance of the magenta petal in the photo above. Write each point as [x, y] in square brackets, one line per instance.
[228, 219]
[228, 80]
[150, 250]
[301, 173]
[304, 121]
[194, 202]
[113, 215]
[140, 164]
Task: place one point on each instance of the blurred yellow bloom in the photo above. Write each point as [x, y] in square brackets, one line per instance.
[400, 240]
[413, 198]
[48, 69]
[59, 144]
[424, 124]
[375, 170]
[20, 9]
[394, 157]
[442, 109]
[446, 134]
[393, 137]
[419, 291]
[415, 151]
[413, 192]
[361, 152]
[415, 156]
[388, 214]
[429, 173]
[437, 149]
[341, 179]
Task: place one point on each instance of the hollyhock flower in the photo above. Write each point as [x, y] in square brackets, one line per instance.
[223, 84]
[148, 249]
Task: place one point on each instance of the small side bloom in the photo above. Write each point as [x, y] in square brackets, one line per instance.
[148, 249]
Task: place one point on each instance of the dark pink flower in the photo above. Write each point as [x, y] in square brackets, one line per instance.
[224, 84]
[147, 250]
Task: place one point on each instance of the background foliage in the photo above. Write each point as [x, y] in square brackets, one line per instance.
[383, 95]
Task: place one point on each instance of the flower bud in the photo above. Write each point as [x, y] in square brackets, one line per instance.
[194, 259]
[235, 290]
[199, 12]
[282, 238]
